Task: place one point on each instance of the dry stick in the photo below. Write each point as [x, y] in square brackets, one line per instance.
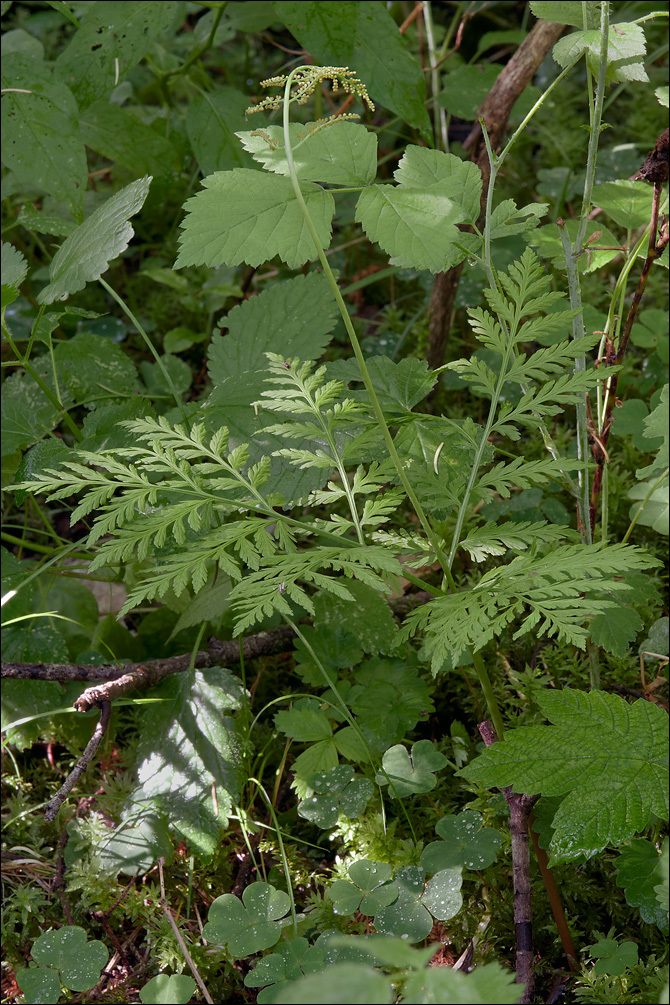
[656, 247]
[520, 807]
[80, 767]
[182, 945]
[495, 110]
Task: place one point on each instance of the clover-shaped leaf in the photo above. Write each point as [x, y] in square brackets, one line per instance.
[613, 957]
[442, 895]
[174, 989]
[464, 843]
[406, 918]
[40, 985]
[291, 961]
[335, 791]
[249, 925]
[66, 950]
[410, 773]
[369, 891]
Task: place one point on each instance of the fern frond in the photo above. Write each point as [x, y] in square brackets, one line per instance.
[551, 359]
[496, 539]
[562, 590]
[544, 401]
[523, 474]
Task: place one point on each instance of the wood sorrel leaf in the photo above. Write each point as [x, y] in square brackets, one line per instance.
[249, 925]
[407, 774]
[248, 216]
[68, 951]
[608, 757]
[87, 252]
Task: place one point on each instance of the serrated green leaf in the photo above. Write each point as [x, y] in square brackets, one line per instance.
[341, 153]
[68, 951]
[211, 124]
[421, 168]
[656, 425]
[87, 252]
[306, 722]
[111, 40]
[616, 628]
[608, 757]
[249, 925]
[164, 989]
[120, 136]
[27, 413]
[368, 618]
[199, 747]
[248, 216]
[341, 984]
[547, 242]
[399, 386]
[90, 365]
[488, 984]
[364, 37]
[638, 873]
[388, 699]
[567, 12]
[14, 271]
[625, 49]
[41, 138]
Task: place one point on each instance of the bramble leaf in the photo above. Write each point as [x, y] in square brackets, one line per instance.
[608, 758]
[249, 216]
[338, 153]
[14, 271]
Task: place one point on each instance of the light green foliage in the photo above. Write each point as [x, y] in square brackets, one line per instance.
[599, 242]
[464, 843]
[567, 12]
[86, 253]
[625, 49]
[628, 203]
[652, 489]
[112, 38]
[364, 37]
[249, 925]
[42, 142]
[212, 120]
[341, 984]
[14, 271]
[613, 957]
[121, 136]
[174, 989]
[608, 757]
[336, 791]
[63, 957]
[291, 961]
[407, 773]
[263, 219]
[338, 153]
[407, 917]
[490, 983]
[638, 874]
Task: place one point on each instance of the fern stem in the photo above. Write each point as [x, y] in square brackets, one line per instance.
[365, 375]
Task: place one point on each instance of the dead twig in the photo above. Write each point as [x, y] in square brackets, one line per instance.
[82, 764]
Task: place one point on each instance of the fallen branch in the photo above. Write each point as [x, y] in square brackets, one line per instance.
[82, 764]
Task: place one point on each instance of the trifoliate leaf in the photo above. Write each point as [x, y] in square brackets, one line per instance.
[369, 890]
[249, 216]
[406, 917]
[608, 757]
[339, 153]
[87, 252]
[442, 895]
[249, 925]
[14, 271]
[407, 773]
[613, 957]
[290, 962]
[39, 984]
[68, 951]
[464, 843]
[335, 791]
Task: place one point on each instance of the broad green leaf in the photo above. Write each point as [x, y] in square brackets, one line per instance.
[248, 216]
[658, 639]
[409, 773]
[656, 425]
[41, 138]
[27, 413]
[21, 41]
[33, 219]
[135, 850]
[628, 203]
[656, 512]
[341, 153]
[14, 271]
[341, 984]
[625, 49]
[406, 917]
[164, 989]
[415, 227]
[613, 958]
[111, 40]
[40, 985]
[464, 843]
[46, 324]
[663, 96]
[212, 120]
[388, 699]
[333, 647]
[615, 628]
[87, 252]
[67, 950]
[609, 759]
[364, 37]
[420, 168]
[249, 925]
[120, 136]
[368, 618]
[103, 428]
[638, 873]
[399, 386]
[305, 722]
[567, 12]
[90, 366]
[199, 748]
[209, 604]
[547, 242]
[507, 220]
[487, 985]
[442, 895]
[321, 756]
